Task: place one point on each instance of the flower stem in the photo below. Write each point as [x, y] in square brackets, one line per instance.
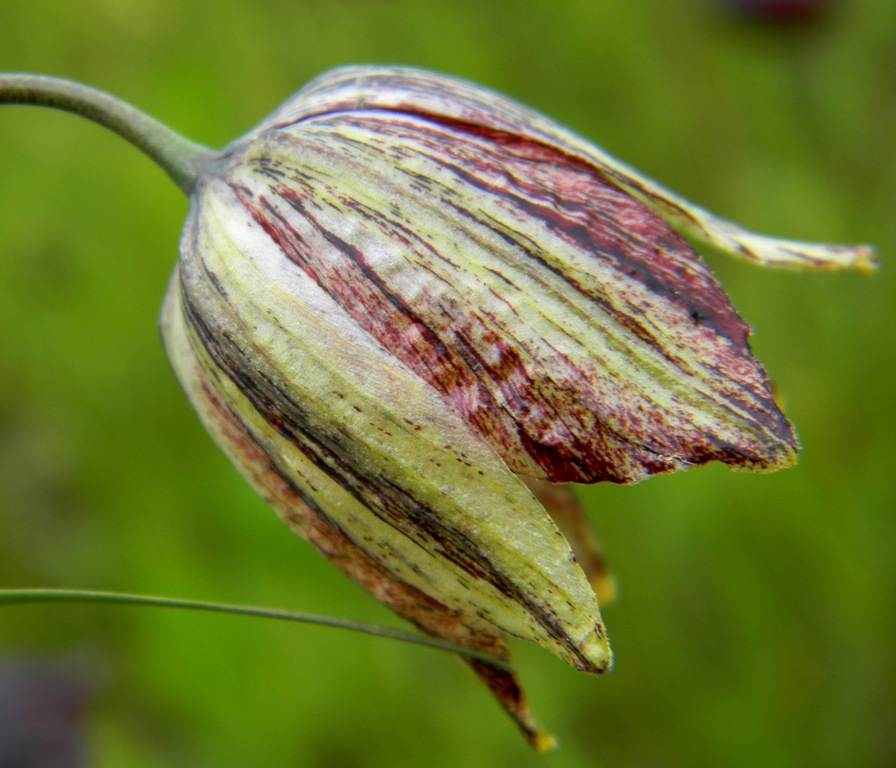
[31, 596]
[179, 157]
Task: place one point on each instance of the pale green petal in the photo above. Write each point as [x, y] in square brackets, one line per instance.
[381, 454]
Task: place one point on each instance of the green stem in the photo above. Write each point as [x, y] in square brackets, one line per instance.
[31, 596]
[179, 157]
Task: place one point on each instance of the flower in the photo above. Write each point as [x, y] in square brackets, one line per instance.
[407, 307]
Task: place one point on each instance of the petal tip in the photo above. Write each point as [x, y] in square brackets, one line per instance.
[594, 654]
[865, 259]
[787, 456]
[780, 455]
[543, 742]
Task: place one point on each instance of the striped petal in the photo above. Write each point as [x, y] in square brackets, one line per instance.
[567, 322]
[444, 99]
[362, 457]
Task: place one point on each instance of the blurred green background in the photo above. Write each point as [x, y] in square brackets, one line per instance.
[756, 623]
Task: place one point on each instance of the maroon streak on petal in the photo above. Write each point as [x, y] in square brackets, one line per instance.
[445, 99]
[567, 322]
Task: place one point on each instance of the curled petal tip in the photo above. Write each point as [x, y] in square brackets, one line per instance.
[775, 252]
[865, 258]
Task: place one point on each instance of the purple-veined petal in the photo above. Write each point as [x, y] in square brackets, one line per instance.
[566, 321]
[441, 98]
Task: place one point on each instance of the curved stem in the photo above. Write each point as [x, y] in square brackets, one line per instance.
[179, 157]
[31, 596]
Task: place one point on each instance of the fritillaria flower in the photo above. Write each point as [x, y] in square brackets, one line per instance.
[410, 309]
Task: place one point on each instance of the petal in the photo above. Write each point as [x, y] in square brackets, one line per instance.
[566, 322]
[442, 98]
[311, 522]
[363, 442]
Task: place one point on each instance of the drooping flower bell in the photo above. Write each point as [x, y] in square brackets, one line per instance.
[407, 308]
